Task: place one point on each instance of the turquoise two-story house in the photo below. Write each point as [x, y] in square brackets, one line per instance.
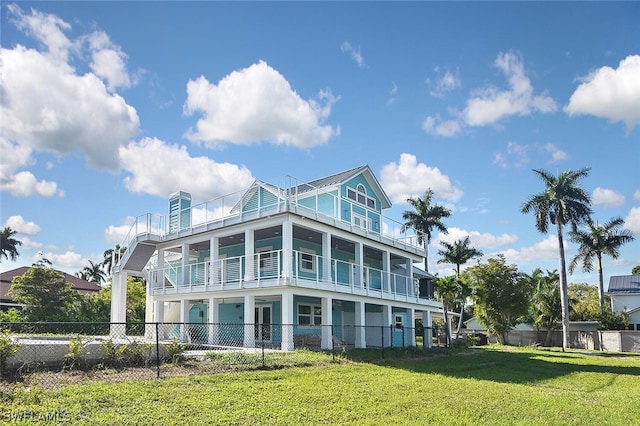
[308, 262]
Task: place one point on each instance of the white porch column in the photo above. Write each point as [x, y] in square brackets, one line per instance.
[213, 262]
[249, 255]
[387, 320]
[185, 265]
[386, 268]
[326, 257]
[428, 332]
[361, 341]
[287, 321]
[159, 277]
[118, 303]
[327, 322]
[287, 251]
[183, 320]
[412, 326]
[249, 321]
[213, 320]
[359, 268]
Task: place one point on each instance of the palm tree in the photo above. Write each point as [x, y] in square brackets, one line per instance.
[546, 303]
[423, 219]
[93, 273]
[458, 254]
[596, 240]
[9, 245]
[109, 255]
[562, 202]
[447, 290]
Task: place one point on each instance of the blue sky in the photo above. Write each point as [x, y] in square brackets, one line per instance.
[108, 107]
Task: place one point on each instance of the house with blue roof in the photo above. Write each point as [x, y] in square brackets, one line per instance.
[306, 262]
[624, 292]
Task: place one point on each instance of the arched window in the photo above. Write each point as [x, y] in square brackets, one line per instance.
[361, 197]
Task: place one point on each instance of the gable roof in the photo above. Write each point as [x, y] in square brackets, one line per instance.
[625, 284]
[342, 177]
[77, 284]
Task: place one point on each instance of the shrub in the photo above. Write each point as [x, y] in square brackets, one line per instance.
[135, 353]
[8, 348]
[175, 351]
[73, 359]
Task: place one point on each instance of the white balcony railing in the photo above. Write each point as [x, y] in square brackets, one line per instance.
[269, 269]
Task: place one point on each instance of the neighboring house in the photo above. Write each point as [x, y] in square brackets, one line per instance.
[472, 324]
[316, 258]
[7, 302]
[624, 291]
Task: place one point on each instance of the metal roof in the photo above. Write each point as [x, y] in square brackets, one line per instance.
[624, 284]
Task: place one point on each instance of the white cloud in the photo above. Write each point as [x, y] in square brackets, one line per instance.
[408, 178]
[257, 104]
[546, 249]
[65, 111]
[69, 261]
[161, 169]
[18, 224]
[435, 126]
[556, 153]
[393, 98]
[636, 195]
[445, 83]
[613, 94]
[632, 221]
[108, 61]
[355, 54]
[116, 234]
[607, 197]
[490, 104]
[24, 183]
[478, 240]
[516, 156]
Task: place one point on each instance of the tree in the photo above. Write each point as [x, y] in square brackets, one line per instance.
[447, 291]
[562, 202]
[636, 270]
[109, 255]
[594, 241]
[424, 218]
[9, 245]
[546, 305]
[92, 273]
[458, 254]
[45, 293]
[585, 306]
[501, 295]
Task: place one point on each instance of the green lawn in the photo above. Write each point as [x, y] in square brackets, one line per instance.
[484, 386]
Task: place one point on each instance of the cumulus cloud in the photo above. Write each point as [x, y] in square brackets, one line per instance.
[393, 94]
[355, 54]
[257, 104]
[66, 110]
[546, 249]
[632, 221]
[108, 61]
[610, 93]
[607, 197]
[17, 223]
[516, 156]
[444, 83]
[489, 105]
[161, 169]
[636, 195]
[408, 178]
[23, 183]
[479, 240]
[557, 154]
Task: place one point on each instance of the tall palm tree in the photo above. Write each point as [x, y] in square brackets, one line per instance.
[459, 253]
[93, 273]
[109, 255]
[596, 240]
[9, 245]
[424, 218]
[562, 202]
[447, 291]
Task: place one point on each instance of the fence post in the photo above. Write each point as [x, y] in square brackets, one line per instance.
[382, 342]
[157, 350]
[262, 344]
[391, 334]
[403, 342]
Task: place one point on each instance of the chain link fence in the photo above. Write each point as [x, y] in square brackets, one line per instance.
[55, 354]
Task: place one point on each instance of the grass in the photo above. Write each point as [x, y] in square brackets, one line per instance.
[490, 385]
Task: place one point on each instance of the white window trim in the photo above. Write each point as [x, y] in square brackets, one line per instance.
[309, 252]
[366, 221]
[312, 316]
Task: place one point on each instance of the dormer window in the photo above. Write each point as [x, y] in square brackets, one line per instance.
[359, 195]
